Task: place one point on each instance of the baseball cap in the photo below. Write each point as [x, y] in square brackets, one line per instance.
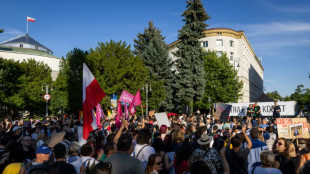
[225, 126]
[15, 128]
[43, 149]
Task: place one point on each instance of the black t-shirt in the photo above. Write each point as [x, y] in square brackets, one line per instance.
[29, 154]
[287, 165]
[276, 114]
[61, 167]
[238, 162]
[249, 112]
[256, 109]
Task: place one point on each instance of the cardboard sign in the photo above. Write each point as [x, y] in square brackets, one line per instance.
[56, 138]
[162, 119]
[222, 112]
[291, 128]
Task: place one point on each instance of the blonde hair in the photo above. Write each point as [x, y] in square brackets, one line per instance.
[177, 136]
[267, 158]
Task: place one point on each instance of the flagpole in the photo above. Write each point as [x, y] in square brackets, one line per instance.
[27, 27]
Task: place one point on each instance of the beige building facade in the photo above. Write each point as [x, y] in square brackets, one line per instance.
[240, 54]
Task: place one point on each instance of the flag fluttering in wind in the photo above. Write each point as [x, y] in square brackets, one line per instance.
[109, 114]
[92, 95]
[119, 115]
[99, 114]
[31, 19]
[135, 102]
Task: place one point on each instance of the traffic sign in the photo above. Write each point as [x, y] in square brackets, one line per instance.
[47, 97]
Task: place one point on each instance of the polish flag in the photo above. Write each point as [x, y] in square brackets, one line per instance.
[92, 95]
[31, 19]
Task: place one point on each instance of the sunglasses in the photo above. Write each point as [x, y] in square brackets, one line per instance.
[280, 144]
[159, 163]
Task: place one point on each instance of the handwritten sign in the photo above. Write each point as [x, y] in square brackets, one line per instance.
[292, 128]
[56, 138]
[222, 112]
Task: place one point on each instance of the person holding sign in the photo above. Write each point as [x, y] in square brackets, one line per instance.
[276, 110]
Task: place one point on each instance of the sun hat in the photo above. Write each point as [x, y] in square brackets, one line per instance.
[204, 139]
[43, 149]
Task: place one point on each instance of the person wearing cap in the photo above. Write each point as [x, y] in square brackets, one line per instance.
[16, 133]
[209, 155]
[39, 163]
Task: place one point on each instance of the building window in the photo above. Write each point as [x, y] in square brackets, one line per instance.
[231, 43]
[219, 53]
[231, 56]
[219, 33]
[21, 45]
[205, 44]
[219, 42]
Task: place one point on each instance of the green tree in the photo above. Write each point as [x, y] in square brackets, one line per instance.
[301, 96]
[35, 74]
[60, 94]
[190, 77]
[222, 82]
[274, 95]
[1, 30]
[10, 73]
[73, 68]
[150, 46]
[116, 68]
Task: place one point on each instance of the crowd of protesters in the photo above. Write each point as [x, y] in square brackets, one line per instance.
[193, 144]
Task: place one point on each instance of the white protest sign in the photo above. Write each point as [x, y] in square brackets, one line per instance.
[162, 119]
[287, 108]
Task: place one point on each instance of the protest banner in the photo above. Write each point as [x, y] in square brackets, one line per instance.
[162, 119]
[240, 109]
[291, 128]
[222, 112]
[126, 97]
[57, 137]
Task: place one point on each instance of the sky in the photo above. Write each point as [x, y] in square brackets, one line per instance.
[278, 30]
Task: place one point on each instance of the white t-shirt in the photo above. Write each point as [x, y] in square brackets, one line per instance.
[143, 156]
[259, 170]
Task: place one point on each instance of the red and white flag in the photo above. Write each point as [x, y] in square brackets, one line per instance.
[92, 95]
[31, 19]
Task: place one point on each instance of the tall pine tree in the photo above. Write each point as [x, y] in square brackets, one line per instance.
[150, 46]
[190, 81]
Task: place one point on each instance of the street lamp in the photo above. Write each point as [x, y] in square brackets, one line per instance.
[46, 96]
[146, 97]
[236, 61]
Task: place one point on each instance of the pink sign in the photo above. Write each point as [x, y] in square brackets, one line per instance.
[126, 97]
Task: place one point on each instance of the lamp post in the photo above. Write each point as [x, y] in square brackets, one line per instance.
[46, 96]
[236, 61]
[146, 97]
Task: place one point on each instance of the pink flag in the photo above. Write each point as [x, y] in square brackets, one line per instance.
[92, 95]
[126, 97]
[99, 114]
[126, 111]
[119, 115]
[135, 102]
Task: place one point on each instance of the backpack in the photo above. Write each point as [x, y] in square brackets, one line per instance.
[30, 168]
[89, 167]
